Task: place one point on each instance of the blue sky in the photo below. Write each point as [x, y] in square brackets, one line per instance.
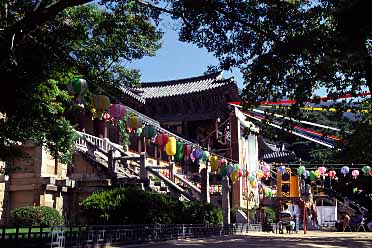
[178, 59]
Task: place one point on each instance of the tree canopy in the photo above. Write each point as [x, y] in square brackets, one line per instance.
[288, 48]
[44, 44]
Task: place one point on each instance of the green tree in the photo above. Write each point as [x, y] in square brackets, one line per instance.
[44, 44]
[134, 206]
[287, 48]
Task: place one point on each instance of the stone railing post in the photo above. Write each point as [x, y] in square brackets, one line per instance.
[144, 175]
[105, 144]
[205, 195]
[226, 200]
[171, 171]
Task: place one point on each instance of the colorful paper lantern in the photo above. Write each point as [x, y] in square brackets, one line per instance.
[117, 111]
[231, 169]
[77, 86]
[171, 146]
[370, 173]
[224, 170]
[236, 167]
[223, 162]
[266, 167]
[259, 175]
[281, 169]
[198, 154]
[240, 173]
[345, 170]
[251, 177]
[192, 156]
[234, 176]
[301, 170]
[106, 117]
[317, 173]
[213, 161]
[205, 156]
[332, 174]
[134, 122]
[366, 169]
[179, 151]
[149, 132]
[161, 140]
[187, 149]
[100, 103]
[306, 173]
[322, 170]
[139, 131]
[355, 173]
[266, 174]
[312, 175]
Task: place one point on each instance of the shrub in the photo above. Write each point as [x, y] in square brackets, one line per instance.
[36, 216]
[134, 206]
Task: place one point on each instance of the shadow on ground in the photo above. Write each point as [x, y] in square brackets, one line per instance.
[262, 240]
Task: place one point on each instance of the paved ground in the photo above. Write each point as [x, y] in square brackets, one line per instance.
[313, 239]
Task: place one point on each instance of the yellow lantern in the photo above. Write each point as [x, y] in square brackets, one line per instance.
[100, 103]
[234, 176]
[171, 146]
[213, 160]
[317, 173]
[259, 175]
[134, 122]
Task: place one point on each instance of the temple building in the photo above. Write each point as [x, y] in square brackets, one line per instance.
[191, 106]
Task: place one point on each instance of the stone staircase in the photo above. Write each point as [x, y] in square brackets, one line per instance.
[126, 167]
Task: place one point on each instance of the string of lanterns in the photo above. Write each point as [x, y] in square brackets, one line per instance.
[322, 172]
[115, 113]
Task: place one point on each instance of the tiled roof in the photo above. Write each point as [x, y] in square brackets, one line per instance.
[178, 87]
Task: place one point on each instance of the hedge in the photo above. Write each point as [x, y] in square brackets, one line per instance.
[36, 216]
[134, 206]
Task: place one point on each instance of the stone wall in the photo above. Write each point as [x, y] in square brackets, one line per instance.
[36, 181]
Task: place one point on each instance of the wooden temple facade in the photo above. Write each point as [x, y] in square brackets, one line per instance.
[191, 107]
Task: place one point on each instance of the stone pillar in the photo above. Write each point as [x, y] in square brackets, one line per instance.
[111, 163]
[144, 176]
[226, 200]
[237, 186]
[205, 196]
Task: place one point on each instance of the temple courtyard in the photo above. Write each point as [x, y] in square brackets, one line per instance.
[314, 239]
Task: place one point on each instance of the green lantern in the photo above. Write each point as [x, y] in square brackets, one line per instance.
[224, 170]
[205, 156]
[301, 170]
[312, 175]
[149, 132]
[77, 86]
[366, 169]
[139, 131]
[179, 151]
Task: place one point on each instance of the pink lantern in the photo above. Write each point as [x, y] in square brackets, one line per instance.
[266, 174]
[192, 156]
[223, 162]
[266, 167]
[355, 173]
[332, 174]
[106, 117]
[117, 111]
[322, 170]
